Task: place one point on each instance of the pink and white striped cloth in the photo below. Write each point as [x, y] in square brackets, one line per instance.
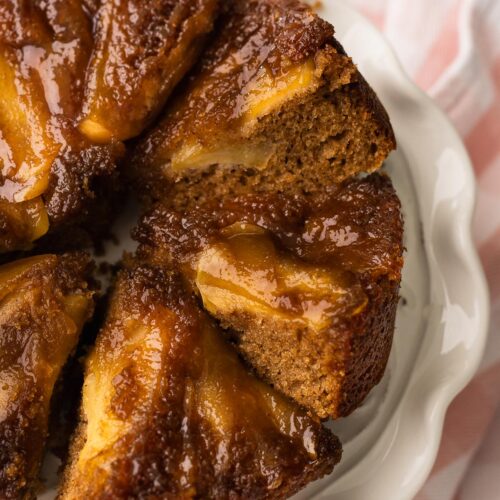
[452, 50]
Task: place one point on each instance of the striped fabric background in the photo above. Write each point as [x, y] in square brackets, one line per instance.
[452, 50]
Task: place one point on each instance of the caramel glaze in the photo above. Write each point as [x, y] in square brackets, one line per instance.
[252, 35]
[44, 302]
[187, 420]
[140, 55]
[47, 46]
[350, 226]
[77, 78]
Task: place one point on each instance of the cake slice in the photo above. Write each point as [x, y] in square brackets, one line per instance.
[274, 105]
[45, 162]
[307, 287]
[77, 78]
[44, 302]
[141, 53]
[169, 411]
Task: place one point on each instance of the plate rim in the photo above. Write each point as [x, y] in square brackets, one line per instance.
[444, 393]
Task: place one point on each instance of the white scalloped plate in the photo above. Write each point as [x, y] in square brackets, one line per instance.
[391, 442]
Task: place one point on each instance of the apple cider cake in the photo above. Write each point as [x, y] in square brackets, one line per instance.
[262, 297]
[307, 287]
[169, 410]
[44, 303]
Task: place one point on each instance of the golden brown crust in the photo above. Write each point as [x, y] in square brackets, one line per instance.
[184, 418]
[71, 72]
[44, 302]
[44, 51]
[274, 105]
[370, 344]
[351, 233]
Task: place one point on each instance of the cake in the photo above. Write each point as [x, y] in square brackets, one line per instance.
[306, 287]
[44, 302]
[169, 410]
[274, 105]
[262, 297]
[76, 79]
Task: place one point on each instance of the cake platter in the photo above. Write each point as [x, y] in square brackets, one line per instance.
[390, 443]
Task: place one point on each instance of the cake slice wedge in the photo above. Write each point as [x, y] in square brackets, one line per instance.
[51, 177]
[77, 78]
[169, 410]
[274, 105]
[44, 303]
[306, 286]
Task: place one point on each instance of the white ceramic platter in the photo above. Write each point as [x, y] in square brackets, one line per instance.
[391, 442]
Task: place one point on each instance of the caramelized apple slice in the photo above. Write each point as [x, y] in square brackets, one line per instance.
[267, 92]
[43, 54]
[195, 155]
[140, 55]
[169, 411]
[44, 302]
[27, 148]
[245, 274]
